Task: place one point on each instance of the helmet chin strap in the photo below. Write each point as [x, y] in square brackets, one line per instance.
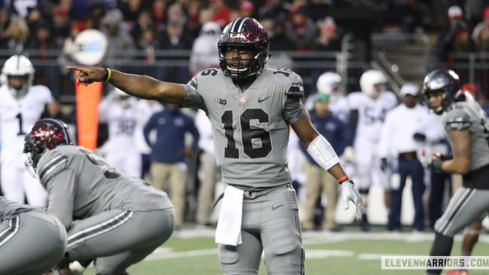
[439, 110]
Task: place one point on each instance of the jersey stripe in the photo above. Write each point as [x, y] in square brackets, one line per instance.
[10, 231]
[459, 123]
[51, 165]
[450, 216]
[99, 229]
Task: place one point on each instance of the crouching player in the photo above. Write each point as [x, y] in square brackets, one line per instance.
[113, 218]
[31, 240]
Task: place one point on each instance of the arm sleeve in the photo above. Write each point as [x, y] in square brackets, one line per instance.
[293, 108]
[62, 189]
[192, 98]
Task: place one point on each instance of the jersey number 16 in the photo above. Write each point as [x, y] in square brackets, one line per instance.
[249, 136]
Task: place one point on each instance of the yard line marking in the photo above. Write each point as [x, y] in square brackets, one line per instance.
[326, 253]
[326, 237]
[182, 254]
[375, 256]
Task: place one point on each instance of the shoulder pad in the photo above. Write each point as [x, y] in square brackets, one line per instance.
[295, 90]
[208, 72]
[51, 164]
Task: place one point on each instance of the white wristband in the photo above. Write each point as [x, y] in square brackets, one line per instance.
[323, 153]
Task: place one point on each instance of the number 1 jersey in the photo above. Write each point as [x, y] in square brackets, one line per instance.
[16, 117]
[250, 127]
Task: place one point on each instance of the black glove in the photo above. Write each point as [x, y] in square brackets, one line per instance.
[446, 157]
[419, 137]
[432, 162]
[384, 165]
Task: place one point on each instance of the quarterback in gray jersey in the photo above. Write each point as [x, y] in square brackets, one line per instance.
[32, 241]
[250, 109]
[468, 130]
[105, 213]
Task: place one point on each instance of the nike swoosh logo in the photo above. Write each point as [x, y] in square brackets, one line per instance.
[260, 100]
[275, 207]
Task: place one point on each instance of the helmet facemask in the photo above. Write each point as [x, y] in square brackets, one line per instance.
[244, 32]
[44, 135]
[18, 68]
[33, 153]
[442, 81]
[18, 91]
[253, 68]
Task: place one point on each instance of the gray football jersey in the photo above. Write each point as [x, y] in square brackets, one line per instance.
[250, 127]
[81, 184]
[468, 114]
[9, 209]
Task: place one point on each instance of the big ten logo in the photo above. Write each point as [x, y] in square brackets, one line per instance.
[125, 126]
[220, 101]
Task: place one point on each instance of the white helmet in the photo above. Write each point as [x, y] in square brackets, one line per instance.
[368, 81]
[327, 82]
[121, 97]
[18, 65]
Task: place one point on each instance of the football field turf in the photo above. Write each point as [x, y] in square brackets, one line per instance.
[193, 251]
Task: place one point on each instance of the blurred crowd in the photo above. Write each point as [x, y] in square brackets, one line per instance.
[149, 33]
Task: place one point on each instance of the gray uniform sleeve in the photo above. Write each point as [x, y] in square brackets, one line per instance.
[457, 119]
[62, 190]
[294, 108]
[193, 99]
[59, 181]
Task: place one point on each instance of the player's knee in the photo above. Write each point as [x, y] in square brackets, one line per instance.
[228, 254]
[283, 237]
[443, 229]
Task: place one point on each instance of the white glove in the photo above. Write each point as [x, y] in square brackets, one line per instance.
[349, 193]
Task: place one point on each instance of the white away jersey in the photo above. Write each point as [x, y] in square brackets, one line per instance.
[122, 122]
[371, 112]
[250, 127]
[17, 116]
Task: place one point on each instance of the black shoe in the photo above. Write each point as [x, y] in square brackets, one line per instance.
[365, 225]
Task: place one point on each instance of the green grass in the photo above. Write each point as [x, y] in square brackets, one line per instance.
[326, 253]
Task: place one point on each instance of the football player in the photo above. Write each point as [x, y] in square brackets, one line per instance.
[32, 241]
[329, 83]
[250, 108]
[21, 105]
[370, 106]
[105, 212]
[121, 113]
[468, 131]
